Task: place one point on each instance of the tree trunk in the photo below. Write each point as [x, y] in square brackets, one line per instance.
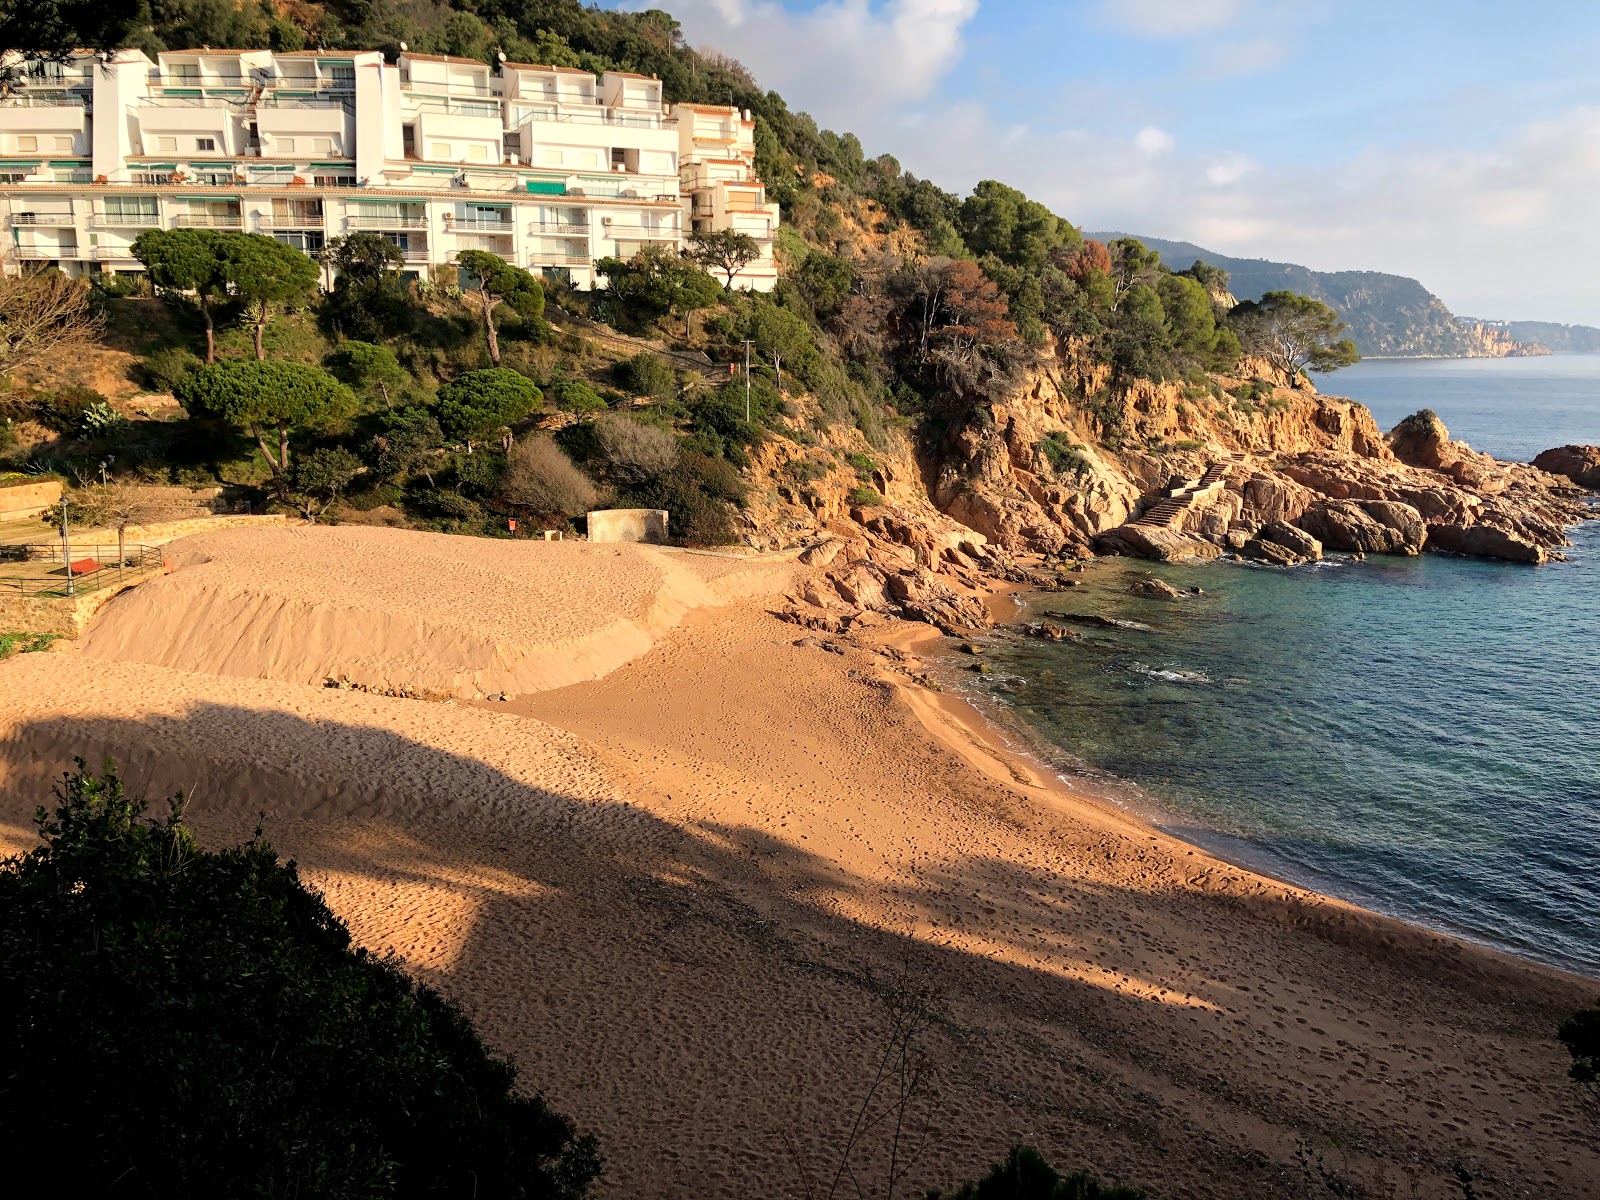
[211, 332]
[488, 326]
[278, 464]
[261, 328]
[122, 553]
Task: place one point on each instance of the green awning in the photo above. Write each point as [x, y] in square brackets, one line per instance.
[32, 164]
[538, 188]
[73, 162]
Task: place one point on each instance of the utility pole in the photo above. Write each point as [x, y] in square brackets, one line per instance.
[747, 381]
[66, 550]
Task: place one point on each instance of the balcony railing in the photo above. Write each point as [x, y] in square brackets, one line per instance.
[553, 227]
[479, 225]
[53, 101]
[536, 261]
[461, 108]
[369, 221]
[415, 253]
[293, 220]
[599, 116]
[208, 221]
[165, 101]
[124, 220]
[30, 218]
[46, 253]
[114, 253]
[343, 102]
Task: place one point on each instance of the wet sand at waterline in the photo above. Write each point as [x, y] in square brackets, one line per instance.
[676, 890]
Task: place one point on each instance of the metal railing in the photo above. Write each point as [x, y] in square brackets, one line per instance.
[119, 253]
[565, 227]
[39, 569]
[33, 218]
[23, 101]
[478, 225]
[345, 103]
[293, 220]
[207, 221]
[367, 221]
[124, 221]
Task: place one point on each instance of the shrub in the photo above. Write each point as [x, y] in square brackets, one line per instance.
[698, 494]
[574, 395]
[1580, 1034]
[542, 480]
[65, 411]
[208, 1018]
[861, 463]
[865, 496]
[646, 374]
[1063, 454]
[164, 369]
[480, 403]
[1026, 1176]
[634, 452]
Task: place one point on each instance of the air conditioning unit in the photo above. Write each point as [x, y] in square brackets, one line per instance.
[606, 221]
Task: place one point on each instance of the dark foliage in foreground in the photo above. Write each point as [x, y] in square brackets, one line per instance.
[186, 1023]
[1026, 1176]
[1580, 1034]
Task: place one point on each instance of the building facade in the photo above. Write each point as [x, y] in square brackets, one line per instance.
[549, 167]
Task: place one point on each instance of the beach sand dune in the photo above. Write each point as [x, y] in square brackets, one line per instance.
[396, 610]
[683, 896]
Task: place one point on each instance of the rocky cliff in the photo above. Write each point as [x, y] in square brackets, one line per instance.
[1058, 472]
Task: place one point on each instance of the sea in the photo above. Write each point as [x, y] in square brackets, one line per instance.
[1418, 736]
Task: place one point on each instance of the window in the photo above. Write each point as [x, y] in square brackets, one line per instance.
[134, 210]
[333, 181]
[61, 143]
[166, 143]
[440, 151]
[187, 72]
[12, 176]
[27, 142]
[283, 145]
[308, 242]
[322, 145]
[477, 153]
[205, 145]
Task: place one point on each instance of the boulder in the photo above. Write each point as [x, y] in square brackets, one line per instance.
[1298, 541]
[1581, 464]
[1156, 589]
[1407, 531]
[1485, 541]
[1163, 545]
[1366, 527]
[823, 553]
[1271, 553]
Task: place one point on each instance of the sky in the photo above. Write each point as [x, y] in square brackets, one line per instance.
[1458, 143]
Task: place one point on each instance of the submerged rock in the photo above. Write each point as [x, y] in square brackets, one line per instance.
[1156, 589]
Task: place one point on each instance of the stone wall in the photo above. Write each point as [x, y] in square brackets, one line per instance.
[64, 616]
[24, 500]
[628, 525]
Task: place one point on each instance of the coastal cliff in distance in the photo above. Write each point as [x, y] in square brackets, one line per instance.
[1390, 316]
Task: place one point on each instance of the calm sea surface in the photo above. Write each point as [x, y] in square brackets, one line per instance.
[1421, 736]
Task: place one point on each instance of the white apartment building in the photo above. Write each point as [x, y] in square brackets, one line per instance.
[548, 167]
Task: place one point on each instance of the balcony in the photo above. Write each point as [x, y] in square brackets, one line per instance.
[555, 227]
[113, 253]
[478, 225]
[208, 221]
[415, 254]
[537, 261]
[368, 221]
[124, 220]
[57, 100]
[46, 253]
[293, 220]
[30, 218]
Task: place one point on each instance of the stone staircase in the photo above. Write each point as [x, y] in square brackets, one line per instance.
[1164, 513]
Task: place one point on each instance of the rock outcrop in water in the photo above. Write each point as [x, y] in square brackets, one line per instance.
[1581, 464]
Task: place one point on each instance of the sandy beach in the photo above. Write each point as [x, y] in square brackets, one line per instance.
[681, 873]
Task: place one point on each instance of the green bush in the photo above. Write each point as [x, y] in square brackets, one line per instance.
[576, 396]
[66, 411]
[1063, 454]
[646, 374]
[165, 369]
[185, 1022]
[25, 643]
[865, 496]
[862, 464]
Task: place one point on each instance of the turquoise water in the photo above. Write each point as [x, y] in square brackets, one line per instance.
[1421, 736]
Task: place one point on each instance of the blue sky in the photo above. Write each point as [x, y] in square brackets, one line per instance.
[1456, 142]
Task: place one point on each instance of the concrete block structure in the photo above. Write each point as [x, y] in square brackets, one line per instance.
[551, 168]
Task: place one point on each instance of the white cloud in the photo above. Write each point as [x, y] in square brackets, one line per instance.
[842, 57]
[1171, 18]
[1500, 230]
[1226, 59]
[1154, 141]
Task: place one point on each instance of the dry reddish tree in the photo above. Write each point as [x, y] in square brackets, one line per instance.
[43, 315]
